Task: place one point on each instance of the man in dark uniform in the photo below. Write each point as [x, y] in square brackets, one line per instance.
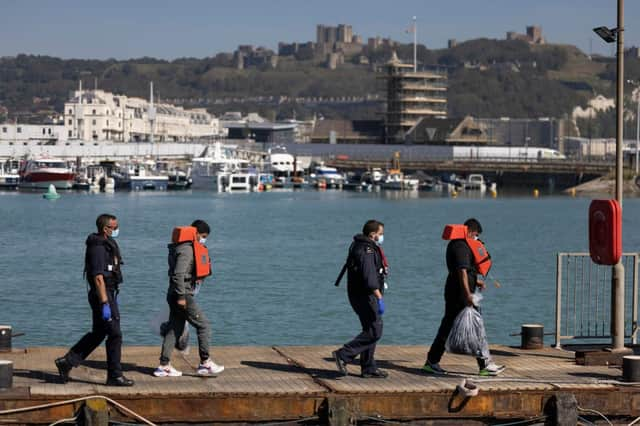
[102, 268]
[462, 282]
[366, 271]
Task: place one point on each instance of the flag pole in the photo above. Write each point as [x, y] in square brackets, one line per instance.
[415, 42]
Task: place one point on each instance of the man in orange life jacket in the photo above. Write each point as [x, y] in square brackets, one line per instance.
[184, 284]
[462, 282]
[102, 268]
[367, 267]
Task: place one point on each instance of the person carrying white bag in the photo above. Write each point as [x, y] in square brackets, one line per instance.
[466, 258]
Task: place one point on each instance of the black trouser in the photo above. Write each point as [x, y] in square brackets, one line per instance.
[454, 304]
[364, 344]
[101, 329]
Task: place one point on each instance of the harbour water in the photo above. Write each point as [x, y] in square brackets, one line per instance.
[276, 256]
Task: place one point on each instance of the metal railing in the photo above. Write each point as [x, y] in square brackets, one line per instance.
[583, 298]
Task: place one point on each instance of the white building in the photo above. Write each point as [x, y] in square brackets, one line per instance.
[41, 133]
[98, 115]
[595, 105]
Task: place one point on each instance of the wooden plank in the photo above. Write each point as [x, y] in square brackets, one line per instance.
[292, 382]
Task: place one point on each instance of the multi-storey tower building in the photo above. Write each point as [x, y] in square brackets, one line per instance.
[410, 97]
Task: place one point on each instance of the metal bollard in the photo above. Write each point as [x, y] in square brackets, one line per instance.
[6, 374]
[532, 336]
[5, 338]
[631, 368]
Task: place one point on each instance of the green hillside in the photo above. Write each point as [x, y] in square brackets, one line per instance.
[487, 78]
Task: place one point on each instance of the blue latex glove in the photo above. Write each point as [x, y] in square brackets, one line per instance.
[380, 306]
[106, 312]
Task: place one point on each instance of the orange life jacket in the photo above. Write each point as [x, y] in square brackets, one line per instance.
[183, 234]
[481, 256]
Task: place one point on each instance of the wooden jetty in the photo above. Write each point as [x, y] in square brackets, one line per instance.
[300, 384]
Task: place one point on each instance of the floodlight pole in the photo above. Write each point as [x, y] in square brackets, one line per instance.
[617, 276]
[415, 44]
[637, 131]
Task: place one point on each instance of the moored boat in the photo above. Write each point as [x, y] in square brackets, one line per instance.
[328, 175]
[42, 172]
[9, 179]
[212, 169]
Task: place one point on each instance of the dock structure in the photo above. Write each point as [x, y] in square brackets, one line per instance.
[563, 174]
[300, 384]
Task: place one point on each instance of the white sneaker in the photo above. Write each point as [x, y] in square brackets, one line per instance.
[492, 369]
[210, 368]
[166, 371]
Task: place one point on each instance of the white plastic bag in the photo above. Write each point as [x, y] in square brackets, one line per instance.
[468, 335]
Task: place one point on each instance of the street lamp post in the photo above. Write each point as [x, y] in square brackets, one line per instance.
[637, 86]
[617, 276]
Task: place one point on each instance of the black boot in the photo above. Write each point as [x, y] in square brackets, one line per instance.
[119, 381]
[64, 367]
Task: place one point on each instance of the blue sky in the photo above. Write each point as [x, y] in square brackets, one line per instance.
[198, 28]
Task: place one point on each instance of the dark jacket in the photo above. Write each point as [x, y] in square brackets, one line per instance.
[102, 257]
[364, 266]
[182, 277]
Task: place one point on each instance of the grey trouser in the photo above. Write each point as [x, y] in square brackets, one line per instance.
[178, 317]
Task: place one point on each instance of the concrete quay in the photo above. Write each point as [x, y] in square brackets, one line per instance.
[300, 384]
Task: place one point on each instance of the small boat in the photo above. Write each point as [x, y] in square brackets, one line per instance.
[93, 178]
[42, 172]
[393, 180]
[376, 176]
[9, 179]
[430, 184]
[179, 180]
[398, 181]
[140, 177]
[329, 175]
[356, 182]
[476, 182]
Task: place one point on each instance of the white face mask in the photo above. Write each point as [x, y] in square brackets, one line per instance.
[380, 239]
[202, 241]
[476, 237]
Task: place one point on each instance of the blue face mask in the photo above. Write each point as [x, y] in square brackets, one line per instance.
[115, 233]
[380, 239]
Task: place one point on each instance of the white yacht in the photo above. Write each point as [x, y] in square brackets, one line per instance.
[282, 166]
[395, 179]
[9, 177]
[329, 175]
[476, 182]
[212, 170]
